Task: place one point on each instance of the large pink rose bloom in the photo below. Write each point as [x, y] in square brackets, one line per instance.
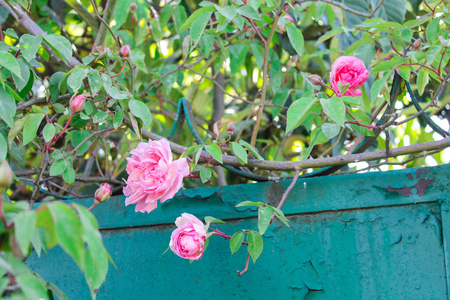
[348, 70]
[188, 240]
[153, 175]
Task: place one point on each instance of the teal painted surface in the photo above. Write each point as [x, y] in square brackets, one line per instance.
[367, 236]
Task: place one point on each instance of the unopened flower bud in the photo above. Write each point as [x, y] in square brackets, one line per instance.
[102, 194]
[6, 176]
[133, 6]
[230, 128]
[417, 44]
[77, 104]
[315, 79]
[124, 51]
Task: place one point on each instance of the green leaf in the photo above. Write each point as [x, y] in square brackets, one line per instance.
[195, 15]
[100, 116]
[236, 241]
[249, 12]
[198, 27]
[107, 83]
[68, 231]
[210, 220]
[17, 127]
[334, 108]
[205, 174]
[96, 257]
[317, 137]
[69, 175]
[279, 99]
[405, 72]
[95, 81]
[296, 38]
[31, 126]
[215, 152]
[432, 31]
[3, 147]
[378, 85]
[114, 92]
[422, 80]
[206, 44]
[118, 118]
[24, 225]
[280, 215]
[264, 218]
[58, 167]
[239, 152]
[250, 203]
[8, 61]
[140, 110]
[77, 138]
[49, 132]
[298, 112]
[31, 287]
[251, 149]
[228, 12]
[366, 53]
[255, 244]
[29, 45]
[330, 130]
[60, 45]
[362, 118]
[57, 292]
[75, 80]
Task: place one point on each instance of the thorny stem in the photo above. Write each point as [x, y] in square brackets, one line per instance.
[265, 77]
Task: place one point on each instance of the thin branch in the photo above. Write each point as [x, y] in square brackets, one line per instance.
[105, 20]
[265, 77]
[310, 163]
[346, 8]
[239, 273]
[288, 190]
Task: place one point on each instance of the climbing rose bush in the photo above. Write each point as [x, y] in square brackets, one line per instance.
[153, 175]
[348, 70]
[188, 240]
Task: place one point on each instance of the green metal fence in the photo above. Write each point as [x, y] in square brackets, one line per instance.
[364, 236]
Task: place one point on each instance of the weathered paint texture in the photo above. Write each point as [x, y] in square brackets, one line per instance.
[367, 236]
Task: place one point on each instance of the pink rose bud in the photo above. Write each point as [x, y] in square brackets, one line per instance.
[417, 44]
[133, 6]
[230, 128]
[348, 71]
[152, 175]
[124, 51]
[315, 79]
[6, 176]
[77, 104]
[188, 240]
[102, 194]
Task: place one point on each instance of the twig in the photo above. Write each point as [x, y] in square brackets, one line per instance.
[239, 273]
[288, 190]
[104, 26]
[265, 77]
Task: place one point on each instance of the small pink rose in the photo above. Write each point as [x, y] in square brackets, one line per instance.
[153, 175]
[348, 70]
[188, 240]
[77, 104]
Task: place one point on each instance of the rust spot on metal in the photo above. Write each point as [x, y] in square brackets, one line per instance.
[404, 191]
[421, 171]
[410, 177]
[421, 186]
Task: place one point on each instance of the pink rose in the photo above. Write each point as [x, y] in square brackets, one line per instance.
[348, 70]
[153, 175]
[188, 240]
